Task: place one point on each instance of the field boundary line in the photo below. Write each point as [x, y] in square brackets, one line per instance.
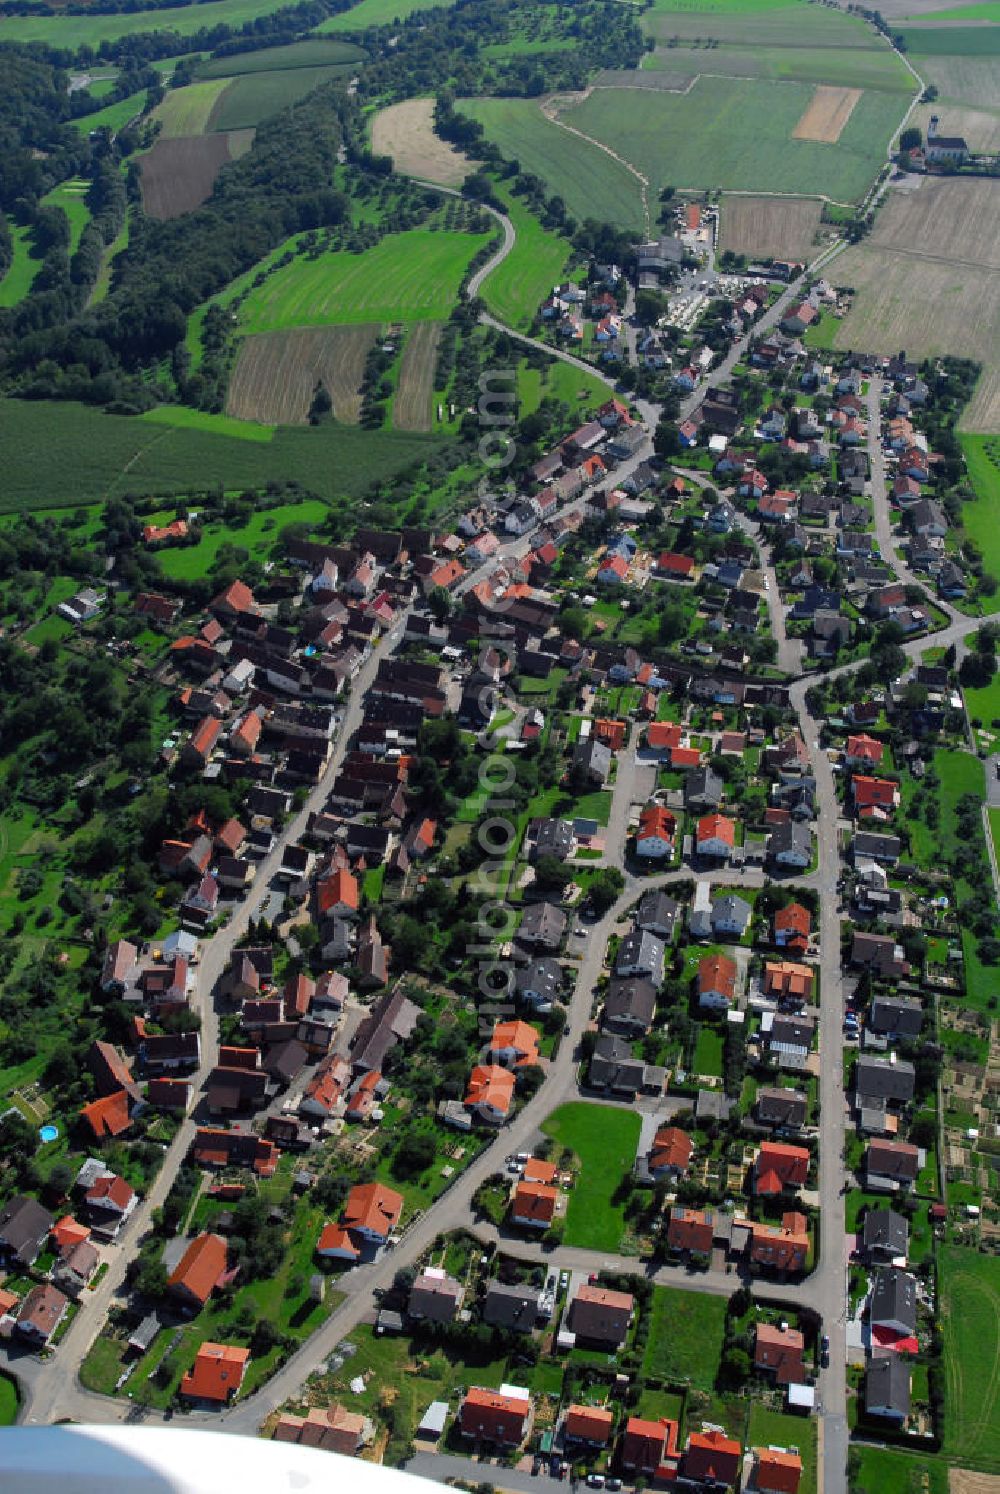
[553, 118]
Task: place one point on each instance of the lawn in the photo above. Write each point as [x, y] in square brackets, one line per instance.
[407, 1374]
[685, 1337]
[700, 140]
[407, 277]
[708, 1051]
[64, 454]
[994, 815]
[376, 13]
[578, 171]
[557, 380]
[970, 1322]
[881, 1470]
[259, 536]
[247, 101]
[180, 417]
[8, 1401]
[16, 283]
[187, 111]
[70, 197]
[776, 1429]
[604, 1138]
[316, 52]
[70, 32]
[980, 519]
[517, 287]
[112, 117]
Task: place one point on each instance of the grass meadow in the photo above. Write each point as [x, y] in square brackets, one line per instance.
[112, 117]
[685, 1337]
[981, 519]
[61, 455]
[70, 196]
[248, 100]
[191, 562]
[187, 111]
[376, 13]
[69, 33]
[15, 285]
[604, 1139]
[315, 52]
[970, 1321]
[850, 67]
[518, 286]
[701, 140]
[590, 182]
[407, 277]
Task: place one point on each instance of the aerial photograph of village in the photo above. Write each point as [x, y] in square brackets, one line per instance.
[500, 746]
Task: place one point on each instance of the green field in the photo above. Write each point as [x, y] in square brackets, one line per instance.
[589, 181]
[970, 1321]
[71, 32]
[317, 52]
[8, 1401]
[881, 1470]
[777, 1429]
[70, 197]
[981, 519]
[190, 562]
[61, 455]
[953, 41]
[685, 1337]
[795, 24]
[376, 13]
[254, 97]
[181, 418]
[407, 277]
[113, 117]
[557, 380]
[16, 284]
[850, 67]
[519, 285]
[701, 140]
[187, 111]
[604, 1138]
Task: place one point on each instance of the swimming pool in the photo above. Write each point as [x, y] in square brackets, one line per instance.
[48, 1133]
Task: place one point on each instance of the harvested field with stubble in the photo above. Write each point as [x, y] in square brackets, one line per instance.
[178, 175]
[770, 227]
[406, 133]
[276, 374]
[411, 407]
[828, 112]
[948, 219]
[962, 1481]
[928, 280]
[978, 126]
[973, 81]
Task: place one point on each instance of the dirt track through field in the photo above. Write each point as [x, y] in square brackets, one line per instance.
[411, 408]
[276, 373]
[826, 114]
[406, 133]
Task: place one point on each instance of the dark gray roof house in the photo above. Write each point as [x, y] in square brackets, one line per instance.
[514, 1307]
[659, 914]
[703, 789]
[784, 1109]
[883, 1079]
[595, 760]
[885, 1236]
[539, 982]
[641, 953]
[614, 1067]
[390, 1020]
[629, 1005]
[896, 1016]
[894, 1301]
[24, 1227]
[543, 926]
[554, 838]
[887, 1387]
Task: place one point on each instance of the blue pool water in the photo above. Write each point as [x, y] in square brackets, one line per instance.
[49, 1133]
